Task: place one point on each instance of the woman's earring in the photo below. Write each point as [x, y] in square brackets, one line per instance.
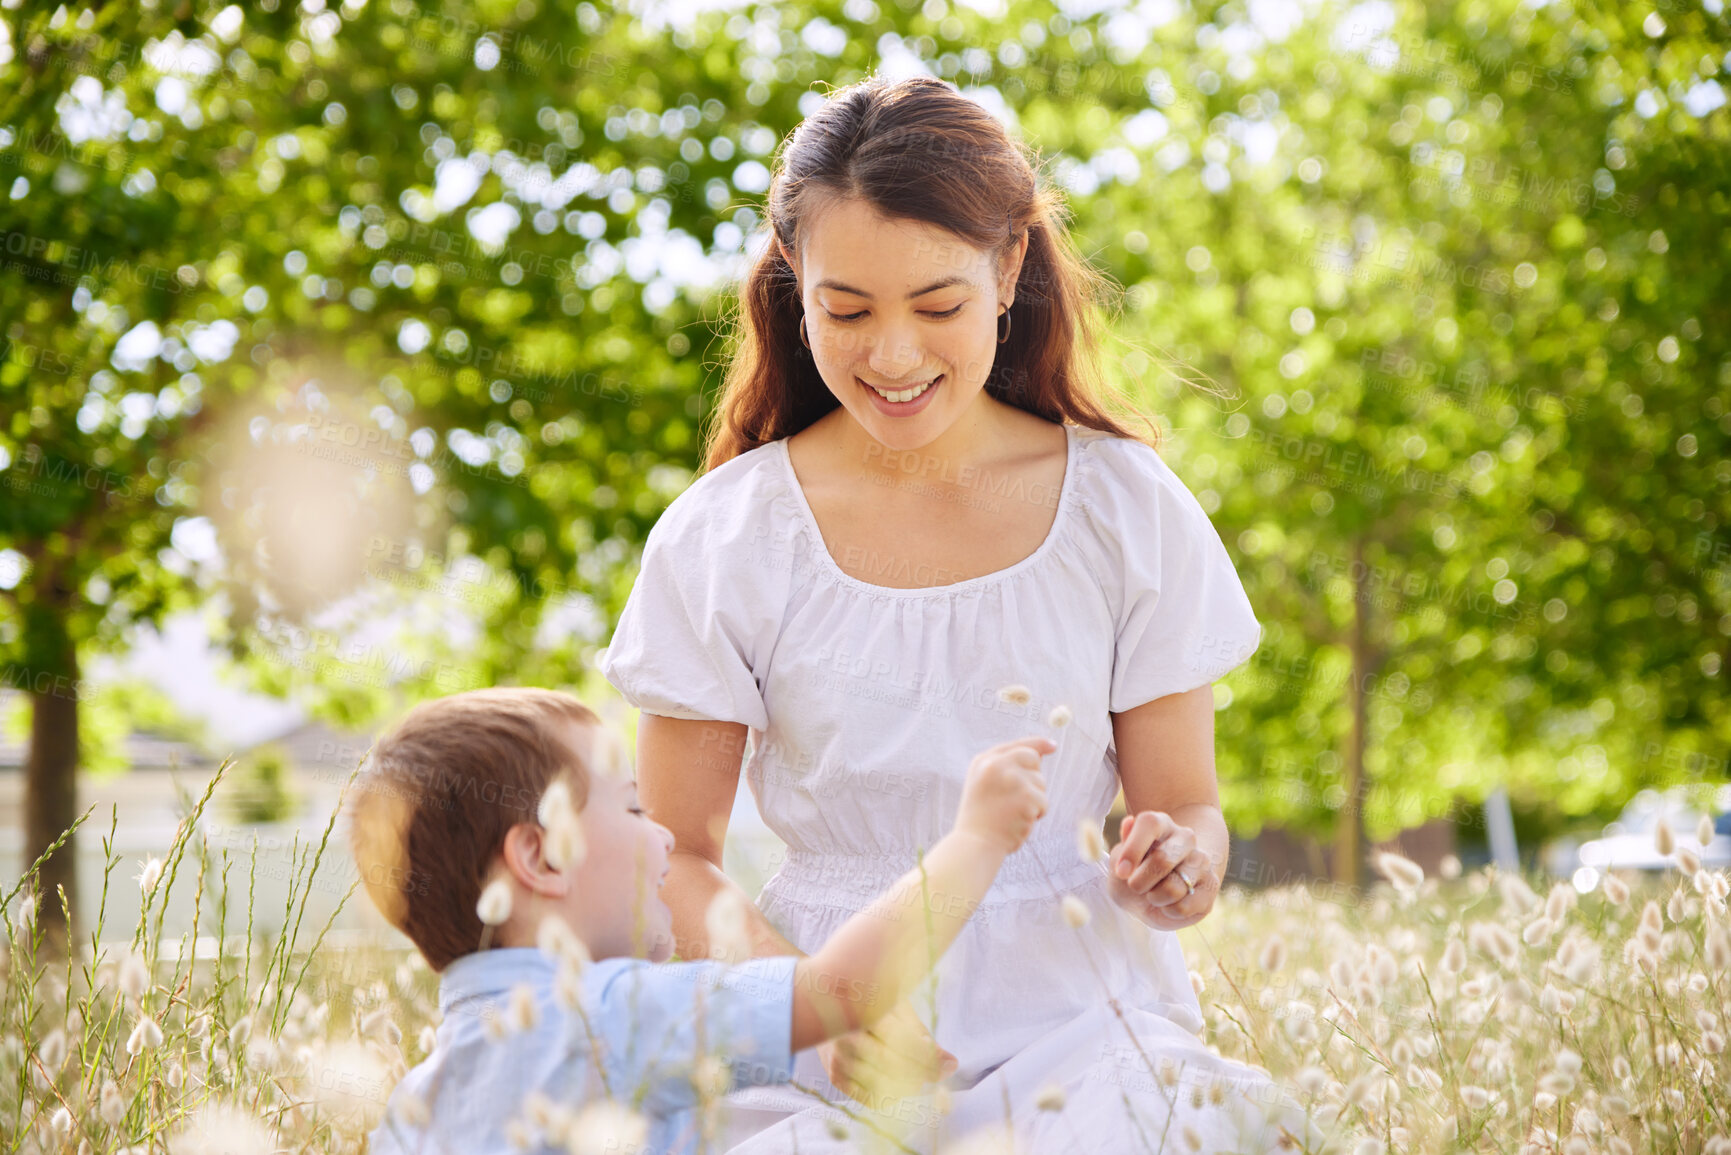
[1005, 336]
[803, 340]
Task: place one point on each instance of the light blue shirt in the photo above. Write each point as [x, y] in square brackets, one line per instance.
[648, 1019]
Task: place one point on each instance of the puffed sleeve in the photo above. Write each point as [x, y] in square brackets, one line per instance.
[696, 624]
[1183, 618]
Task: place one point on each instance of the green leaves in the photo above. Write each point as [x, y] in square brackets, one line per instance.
[1450, 287]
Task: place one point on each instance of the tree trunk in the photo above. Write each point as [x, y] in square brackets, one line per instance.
[1349, 824]
[51, 785]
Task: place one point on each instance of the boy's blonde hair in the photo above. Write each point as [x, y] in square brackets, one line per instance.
[431, 807]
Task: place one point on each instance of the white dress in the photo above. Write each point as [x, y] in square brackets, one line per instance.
[865, 704]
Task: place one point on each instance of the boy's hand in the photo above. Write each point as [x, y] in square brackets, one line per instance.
[1005, 793]
[896, 1056]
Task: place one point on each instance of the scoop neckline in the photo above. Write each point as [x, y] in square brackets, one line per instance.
[1065, 500]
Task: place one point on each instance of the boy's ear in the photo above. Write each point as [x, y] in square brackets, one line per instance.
[524, 855]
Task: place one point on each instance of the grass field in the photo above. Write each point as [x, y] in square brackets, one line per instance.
[1470, 1014]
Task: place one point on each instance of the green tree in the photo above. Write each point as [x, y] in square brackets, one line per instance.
[1437, 311]
[119, 302]
[316, 313]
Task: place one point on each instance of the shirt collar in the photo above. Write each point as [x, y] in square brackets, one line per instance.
[492, 972]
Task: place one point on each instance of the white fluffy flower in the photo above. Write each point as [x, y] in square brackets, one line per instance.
[1517, 895]
[149, 873]
[568, 987]
[217, 1129]
[411, 1109]
[565, 844]
[52, 1052]
[1403, 872]
[556, 938]
[607, 1125]
[1663, 840]
[1075, 911]
[494, 906]
[555, 805]
[146, 1036]
[1719, 949]
[1050, 1098]
[348, 1081]
[608, 757]
[1015, 695]
[712, 1077]
[134, 977]
[1060, 716]
[1090, 840]
[112, 1106]
[1494, 940]
[521, 1013]
[725, 923]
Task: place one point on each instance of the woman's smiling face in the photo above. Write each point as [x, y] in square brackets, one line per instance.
[902, 308]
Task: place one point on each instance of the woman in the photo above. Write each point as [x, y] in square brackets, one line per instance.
[918, 534]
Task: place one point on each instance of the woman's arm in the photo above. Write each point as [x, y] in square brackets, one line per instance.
[1166, 763]
[687, 778]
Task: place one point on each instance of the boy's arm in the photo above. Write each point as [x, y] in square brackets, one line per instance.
[879, 954]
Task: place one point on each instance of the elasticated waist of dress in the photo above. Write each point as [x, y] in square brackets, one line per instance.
[813, 876]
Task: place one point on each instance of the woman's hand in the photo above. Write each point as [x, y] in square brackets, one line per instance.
[1145, 871]
[895, 1057]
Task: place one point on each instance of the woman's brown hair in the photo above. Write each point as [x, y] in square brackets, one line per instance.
[918, 150]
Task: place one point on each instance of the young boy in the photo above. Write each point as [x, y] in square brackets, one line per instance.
[493, 828]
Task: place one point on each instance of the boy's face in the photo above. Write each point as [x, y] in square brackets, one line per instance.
[616, 905]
